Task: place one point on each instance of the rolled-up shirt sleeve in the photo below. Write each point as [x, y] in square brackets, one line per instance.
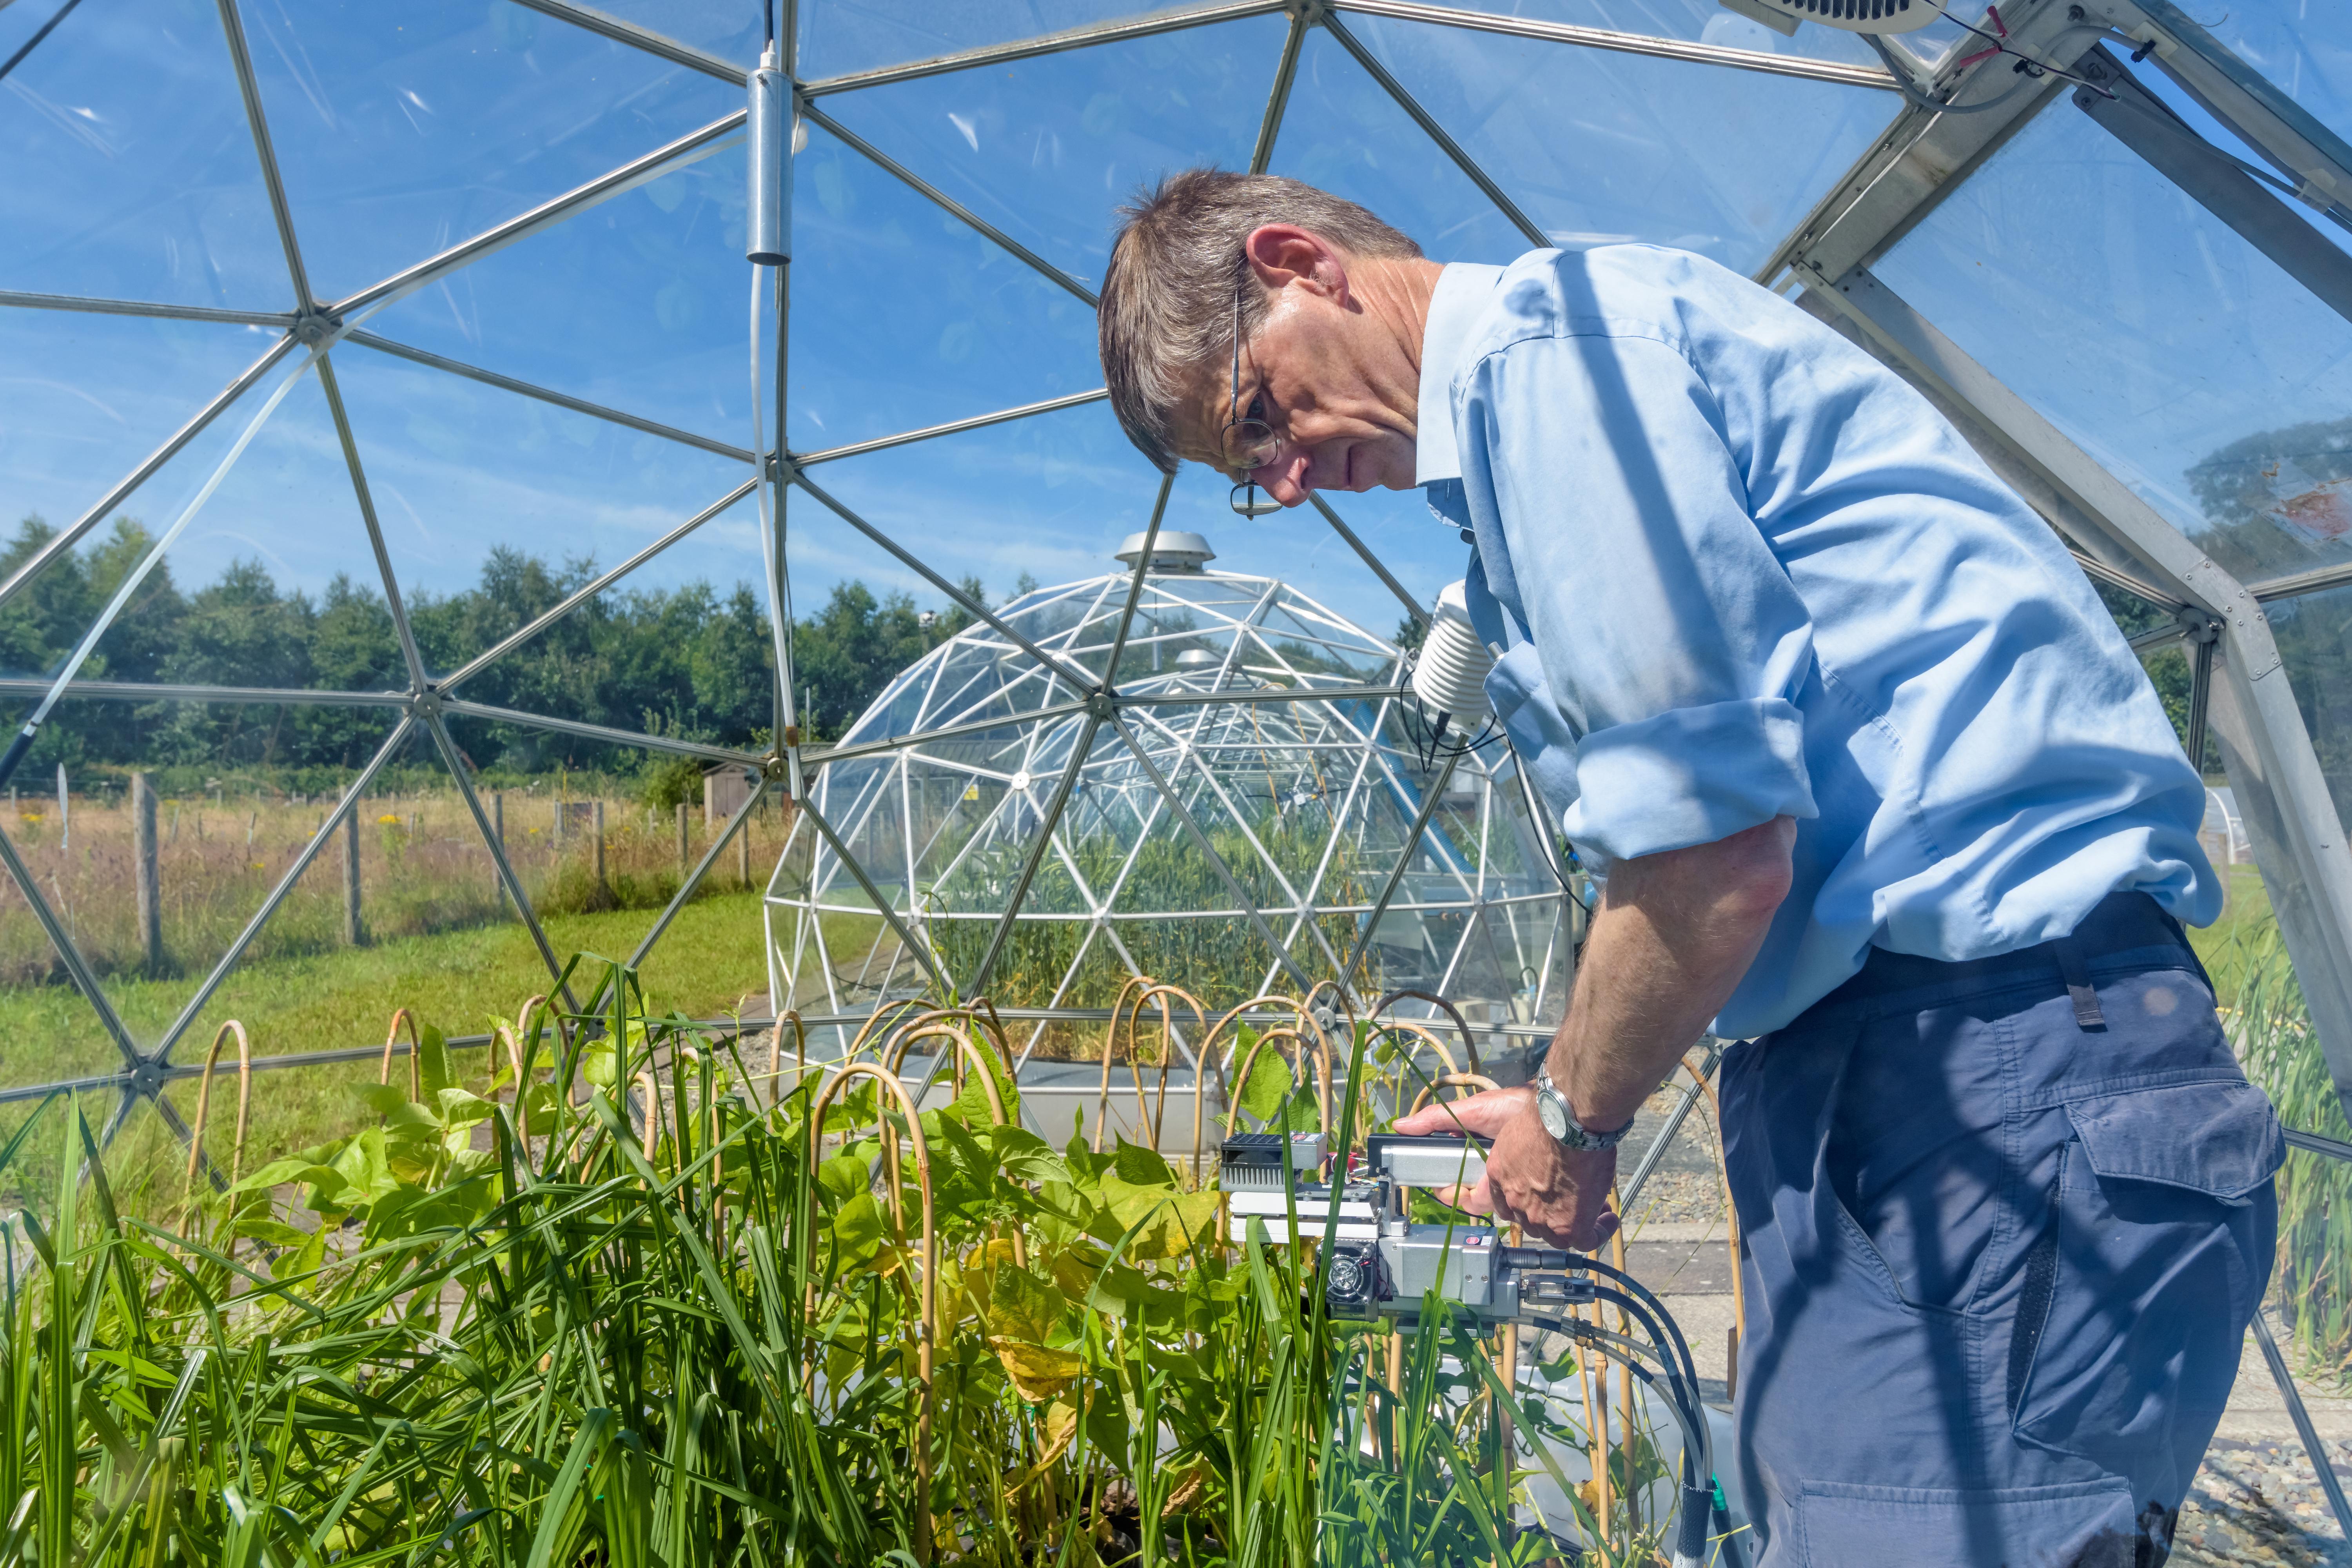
[1669, 635]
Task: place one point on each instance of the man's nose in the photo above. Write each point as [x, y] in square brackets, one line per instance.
[1283, 477]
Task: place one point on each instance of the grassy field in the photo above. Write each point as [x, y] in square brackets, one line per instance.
[708, 964]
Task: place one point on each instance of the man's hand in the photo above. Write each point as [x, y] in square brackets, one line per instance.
[1560, 1194]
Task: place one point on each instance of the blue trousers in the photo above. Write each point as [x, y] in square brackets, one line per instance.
[2002, 1239]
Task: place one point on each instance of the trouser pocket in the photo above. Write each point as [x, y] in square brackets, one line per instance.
[2164, 1225]
[2086, 1524]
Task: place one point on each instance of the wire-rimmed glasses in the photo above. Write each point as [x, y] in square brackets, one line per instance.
[1245, 444]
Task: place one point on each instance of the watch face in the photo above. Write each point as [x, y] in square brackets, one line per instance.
[1554, 1117]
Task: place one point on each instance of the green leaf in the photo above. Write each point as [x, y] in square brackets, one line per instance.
[433, 1062]
[596, 1064]
[1267, 1086]
[1134, 1163]
[859, 1230]
[1302, 1112]
[1025, 1156]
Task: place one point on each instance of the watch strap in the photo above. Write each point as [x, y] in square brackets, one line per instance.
[1577, 1136]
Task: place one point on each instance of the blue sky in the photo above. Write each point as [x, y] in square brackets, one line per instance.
[2145, 329]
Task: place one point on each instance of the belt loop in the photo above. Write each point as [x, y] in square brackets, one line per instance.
[2071, 964]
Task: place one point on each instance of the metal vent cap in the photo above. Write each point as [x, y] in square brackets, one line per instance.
[1172, 551]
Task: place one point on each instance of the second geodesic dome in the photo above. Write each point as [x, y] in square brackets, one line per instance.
[1259, 735]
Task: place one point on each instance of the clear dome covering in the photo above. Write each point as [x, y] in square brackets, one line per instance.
[1233, 831]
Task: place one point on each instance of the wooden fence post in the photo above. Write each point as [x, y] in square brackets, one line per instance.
[743, 853]
[682, 862]
[560, 814]
[600, 843]
[353, 932]
[498, 830]
[151, 909]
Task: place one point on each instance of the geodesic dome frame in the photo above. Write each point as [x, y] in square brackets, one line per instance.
[2048, 367]
[1305, 824]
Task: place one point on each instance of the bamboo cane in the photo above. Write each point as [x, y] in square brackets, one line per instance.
[203, 1100]
[927, 1330]
[416, 1069]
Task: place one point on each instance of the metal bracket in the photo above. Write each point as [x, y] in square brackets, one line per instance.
[424, 704]
[2197, 625]
[1102, 702]
[316, 325]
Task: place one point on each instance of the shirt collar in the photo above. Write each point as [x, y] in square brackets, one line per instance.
[1462, 291]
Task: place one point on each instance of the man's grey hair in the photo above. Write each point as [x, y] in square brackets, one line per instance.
[1177, 267]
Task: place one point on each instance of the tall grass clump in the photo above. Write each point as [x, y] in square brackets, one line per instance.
[631, 1298]
[2311, 1282]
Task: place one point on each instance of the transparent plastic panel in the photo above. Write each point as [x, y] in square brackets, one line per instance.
[1600, 147]
[1343, 133]
[837, 36]
[641, 304]
[272, 583]
[403, 132]
[1701, 22]
[131, 171]
[667, 648]
[495, 505]
[604, 840]
[2303, 46]
[872, 356]
[2315, 640]
[2193, 368]
[239, 794]
[1052, 497]
[862, 618]
[1048, 148]
[85, 398]
[438, 933]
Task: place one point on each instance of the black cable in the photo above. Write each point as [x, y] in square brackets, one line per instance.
[1696, 1506]
[1690, 1367]
[35, 41]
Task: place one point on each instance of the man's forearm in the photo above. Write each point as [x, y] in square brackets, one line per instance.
[1673, 935]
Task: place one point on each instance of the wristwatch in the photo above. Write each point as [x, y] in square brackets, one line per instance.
[1551, 1109]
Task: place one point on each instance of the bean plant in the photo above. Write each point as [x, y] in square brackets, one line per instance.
[636, 1300]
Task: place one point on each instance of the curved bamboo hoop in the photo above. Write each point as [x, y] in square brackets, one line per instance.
[1427, 1037]
[874, 1021]
[203, 1101]
[1161, 991]
[928, 1308]
[1148, 1116]
[1730, 1213]
[514, 1064]
[893, 1052]
[1460, 1025]
[1208, 1055]
[650, 1086]
[416, 1069]
[966, 1046]
[995, 1027]
[1300, 1046]
[776, 1054]
[1478, 1081]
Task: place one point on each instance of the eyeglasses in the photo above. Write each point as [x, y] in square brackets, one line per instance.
[1247, 443]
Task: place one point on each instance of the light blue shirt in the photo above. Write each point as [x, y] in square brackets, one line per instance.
[1734, 569]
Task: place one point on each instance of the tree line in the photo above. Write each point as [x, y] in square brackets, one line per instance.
[692, 661]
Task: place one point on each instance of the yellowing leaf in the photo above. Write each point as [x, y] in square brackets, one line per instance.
[1022, 1307]
[1173, 1221]
[1038, 1373]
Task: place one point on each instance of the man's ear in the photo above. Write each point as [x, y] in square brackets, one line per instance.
[1282, 254]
